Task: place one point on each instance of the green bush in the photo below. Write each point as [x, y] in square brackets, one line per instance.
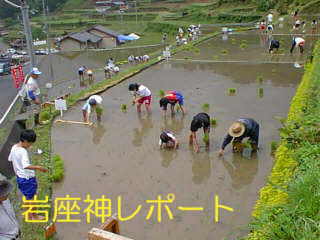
[58, 168]
[44, 115]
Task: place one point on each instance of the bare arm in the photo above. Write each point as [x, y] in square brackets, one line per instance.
[36, 167]
[176, 143]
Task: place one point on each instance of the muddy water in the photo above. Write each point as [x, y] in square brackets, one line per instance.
[119, 157]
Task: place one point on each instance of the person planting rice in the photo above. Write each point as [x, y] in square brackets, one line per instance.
[274, 44]
[24, 170]
[81, 71]
[90, 74]
[94, 102]
[240, 129]
[144, 95]
[298, 42]
[201, 120]
[172, 97]
[263, 26]
[168, 140]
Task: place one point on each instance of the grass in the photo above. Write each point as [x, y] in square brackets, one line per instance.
[206, 107]
[213, 121]
[58, 168]
[232, 91]
[260, 79]
[161, 93]
[273, 146]
[288, 207]
[44, 115]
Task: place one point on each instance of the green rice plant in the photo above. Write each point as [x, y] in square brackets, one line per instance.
[260, 79]
[216, 57]
[186, 58]
[232, 91]
[224, 51]
[206, 138]
[205, 107]
[273, 146]
[196, 50]
[244, 41]
[281, 51]
[246, 144]
[58, 168]
[213, 121]
[209, 45]
[161, 93]
[274, 71]
[233, 41]
[178, 108]
[260, 91]
[243, 46]
[99, 110]
[124, 107]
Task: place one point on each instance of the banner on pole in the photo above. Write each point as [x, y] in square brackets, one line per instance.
[14, 76]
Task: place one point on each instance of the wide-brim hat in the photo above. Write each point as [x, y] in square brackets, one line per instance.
[5, 187]
[35, 71]
[237, 129]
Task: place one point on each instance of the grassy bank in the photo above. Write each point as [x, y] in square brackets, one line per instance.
[289, 205]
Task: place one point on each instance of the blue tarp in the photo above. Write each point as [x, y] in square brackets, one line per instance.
[125, 38]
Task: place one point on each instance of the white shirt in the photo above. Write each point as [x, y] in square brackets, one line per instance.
[20, 160]
[116, 69]
[97, 98]
[270, 17]
[32, 85]
[143, 91]
[169, 135]
[299, 40]
[9, 226]
[270, 27]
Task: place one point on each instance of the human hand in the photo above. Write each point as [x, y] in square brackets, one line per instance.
[42, 169]
[220, 152]
[90, 123]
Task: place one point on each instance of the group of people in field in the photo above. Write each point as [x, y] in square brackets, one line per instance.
[240, 129]
[192, 33]
[298, 30]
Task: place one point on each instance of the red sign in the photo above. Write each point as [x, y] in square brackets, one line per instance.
[14, 76]
[21, 76]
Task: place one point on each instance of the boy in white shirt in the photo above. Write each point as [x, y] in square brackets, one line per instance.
[24, 170]
[144, 95]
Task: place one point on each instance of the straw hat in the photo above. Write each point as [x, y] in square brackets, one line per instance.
[5, 187]
[237, 129]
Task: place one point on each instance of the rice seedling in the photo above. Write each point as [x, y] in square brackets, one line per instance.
[205, 107]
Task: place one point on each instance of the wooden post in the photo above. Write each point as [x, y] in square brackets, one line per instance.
[99, 234]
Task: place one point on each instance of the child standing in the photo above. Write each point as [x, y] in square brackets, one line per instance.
[24, 170]
[144, 95]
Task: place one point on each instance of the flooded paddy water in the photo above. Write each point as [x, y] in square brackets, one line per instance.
[120, 156]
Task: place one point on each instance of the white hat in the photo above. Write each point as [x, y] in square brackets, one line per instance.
[35, 71]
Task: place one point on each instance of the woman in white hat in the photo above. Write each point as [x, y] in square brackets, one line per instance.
[240, 129]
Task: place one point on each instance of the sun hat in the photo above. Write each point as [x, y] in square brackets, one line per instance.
[5, 187]
[35, 71]
[237, 129]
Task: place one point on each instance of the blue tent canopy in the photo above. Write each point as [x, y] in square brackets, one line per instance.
[125, 38]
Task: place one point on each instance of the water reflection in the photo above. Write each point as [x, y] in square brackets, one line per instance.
[174, 124]
[167, 156]
[139, 133]
[241, 170]
[201, 167]
[97, 133]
